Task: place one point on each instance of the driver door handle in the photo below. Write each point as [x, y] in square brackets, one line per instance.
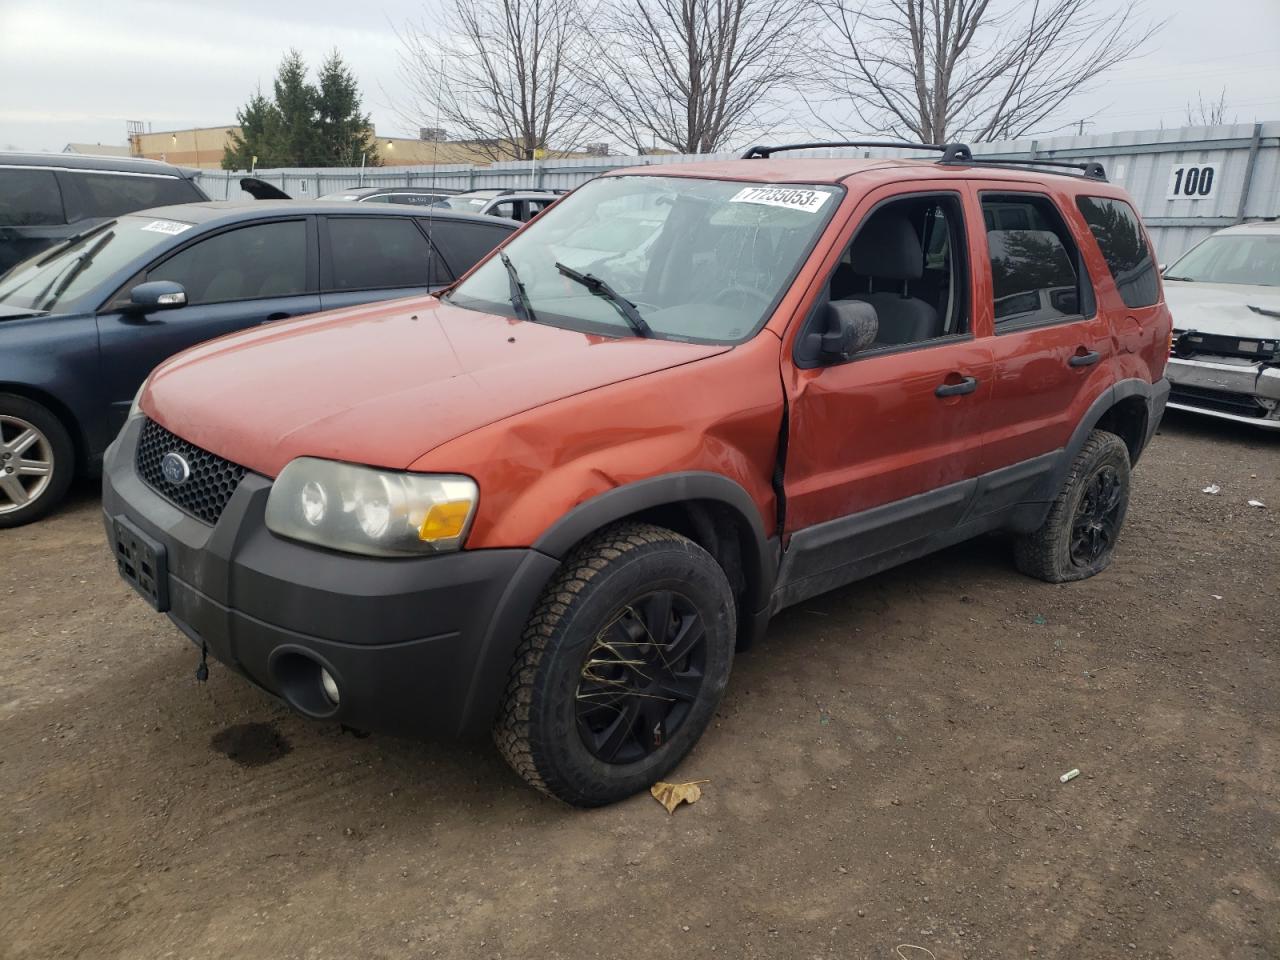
[1085, 359]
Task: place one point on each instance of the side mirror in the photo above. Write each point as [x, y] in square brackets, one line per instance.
[156, 295]
[1163, 267]
[851, 326]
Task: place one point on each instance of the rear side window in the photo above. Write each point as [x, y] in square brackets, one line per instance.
[96, 195]
[29, 198]
[1035, 266]
[249, 263]
[464, 244]
[1124, 246]
[373, 253]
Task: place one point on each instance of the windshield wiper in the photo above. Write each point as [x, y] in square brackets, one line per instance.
[601, 289]
[70, 272]
[63, 245]
[1183, 279]
[519, 299]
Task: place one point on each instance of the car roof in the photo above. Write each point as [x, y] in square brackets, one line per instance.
[371, 191]
[235, 211]
[1254, 226]
[79, 161]
[873, 170]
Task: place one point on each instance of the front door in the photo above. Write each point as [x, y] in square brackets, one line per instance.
[235, 279]
[882, 448]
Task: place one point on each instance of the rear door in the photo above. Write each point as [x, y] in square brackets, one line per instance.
[363, 259]
[236, 278]
[462, 244]
[1052, 346]
[31, 213]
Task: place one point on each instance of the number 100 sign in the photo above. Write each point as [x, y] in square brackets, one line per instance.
[1189, 181]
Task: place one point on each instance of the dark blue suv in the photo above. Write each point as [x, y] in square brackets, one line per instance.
[83, 324]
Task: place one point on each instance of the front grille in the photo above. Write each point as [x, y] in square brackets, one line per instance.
[206, 491]
[1219, 401]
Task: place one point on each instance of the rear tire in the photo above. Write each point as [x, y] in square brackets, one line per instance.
[37, 461]
[1078, 537]
[621, 666]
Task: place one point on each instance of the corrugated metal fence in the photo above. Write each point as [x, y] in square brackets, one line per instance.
[1187, 182]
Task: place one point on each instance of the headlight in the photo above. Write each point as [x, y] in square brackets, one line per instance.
[134, 408]
[363, 510]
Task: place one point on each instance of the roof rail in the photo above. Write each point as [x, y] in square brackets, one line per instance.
[762, 152]
[1090, 169]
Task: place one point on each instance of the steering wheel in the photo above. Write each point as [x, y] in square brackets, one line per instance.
[739, 295]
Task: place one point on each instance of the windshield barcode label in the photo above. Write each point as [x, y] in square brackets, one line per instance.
[810, 201]
[167, 226]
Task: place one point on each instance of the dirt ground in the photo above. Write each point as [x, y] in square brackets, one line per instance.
[884, 771]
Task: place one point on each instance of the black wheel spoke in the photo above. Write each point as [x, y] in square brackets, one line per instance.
[1093, 528]
[642, 676]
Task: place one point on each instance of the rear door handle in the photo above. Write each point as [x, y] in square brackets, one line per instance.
[1085, 359]
[272, 318]
[966, 385]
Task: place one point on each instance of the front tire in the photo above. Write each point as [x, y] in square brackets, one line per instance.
[37, 461]
[621, 666]
[1078, 537]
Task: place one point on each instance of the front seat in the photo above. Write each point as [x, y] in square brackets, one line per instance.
[888, 249]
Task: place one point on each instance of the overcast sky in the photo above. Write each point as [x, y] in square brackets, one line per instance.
[72, 70]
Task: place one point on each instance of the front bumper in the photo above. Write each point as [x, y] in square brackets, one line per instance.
[417, 646]
[1229, 388]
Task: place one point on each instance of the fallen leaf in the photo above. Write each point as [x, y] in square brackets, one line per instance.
[671, 795]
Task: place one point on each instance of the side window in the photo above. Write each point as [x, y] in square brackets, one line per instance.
[29, 198]
[464, 243]
[537, 206]
[1124, 246]
[249, 263]
[907, 260]
[507, 208]
[1035, 267]
[372, 253]
[113, 194]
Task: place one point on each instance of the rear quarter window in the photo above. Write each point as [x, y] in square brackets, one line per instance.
[1124, 246]
[29, 198]
[97, 195]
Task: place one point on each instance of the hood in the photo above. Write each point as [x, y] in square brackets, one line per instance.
[383, 384]
[1227, 309]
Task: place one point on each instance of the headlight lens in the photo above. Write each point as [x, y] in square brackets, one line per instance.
[377, 512]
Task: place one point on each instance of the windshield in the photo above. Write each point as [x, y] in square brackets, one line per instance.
[700, 260]
[1232, 258]
[463, 202]
[47, 280]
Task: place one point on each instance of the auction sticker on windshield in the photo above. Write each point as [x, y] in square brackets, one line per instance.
[793, 198]
[167, 226]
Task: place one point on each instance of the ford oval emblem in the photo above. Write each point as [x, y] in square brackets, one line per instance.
[175, 469]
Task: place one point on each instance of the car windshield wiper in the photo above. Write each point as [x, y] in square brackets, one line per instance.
[68, 273]
[1183, 279]
[519, 299]
[62, 245]
[601, 289]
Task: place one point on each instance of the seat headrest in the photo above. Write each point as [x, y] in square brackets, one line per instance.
[888, 247]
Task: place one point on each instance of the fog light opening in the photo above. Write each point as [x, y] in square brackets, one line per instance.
[330, 686]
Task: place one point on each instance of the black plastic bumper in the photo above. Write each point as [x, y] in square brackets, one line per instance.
[417, 646]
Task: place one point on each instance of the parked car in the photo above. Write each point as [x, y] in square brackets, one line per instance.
[553, 501]
[413, 196]
[1224, 294]
[519, 205]
[47, 197]
[83, 324]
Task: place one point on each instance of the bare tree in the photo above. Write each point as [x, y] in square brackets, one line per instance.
[1210, 114]
[939, 70]
[692, 74]
[499, 73]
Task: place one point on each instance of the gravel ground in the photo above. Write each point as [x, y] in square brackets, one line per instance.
[883, 771]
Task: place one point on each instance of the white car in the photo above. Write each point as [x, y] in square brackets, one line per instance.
[1224, 295]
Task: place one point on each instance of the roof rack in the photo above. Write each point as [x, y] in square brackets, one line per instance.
[952, 153]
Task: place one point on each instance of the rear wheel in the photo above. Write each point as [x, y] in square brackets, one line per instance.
[621, 666]
[1080, 533]
[37, 461]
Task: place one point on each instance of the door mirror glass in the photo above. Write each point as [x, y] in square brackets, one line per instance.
[157, 295]
[851, 326]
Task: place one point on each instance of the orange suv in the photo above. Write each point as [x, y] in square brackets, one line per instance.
[555, 500]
